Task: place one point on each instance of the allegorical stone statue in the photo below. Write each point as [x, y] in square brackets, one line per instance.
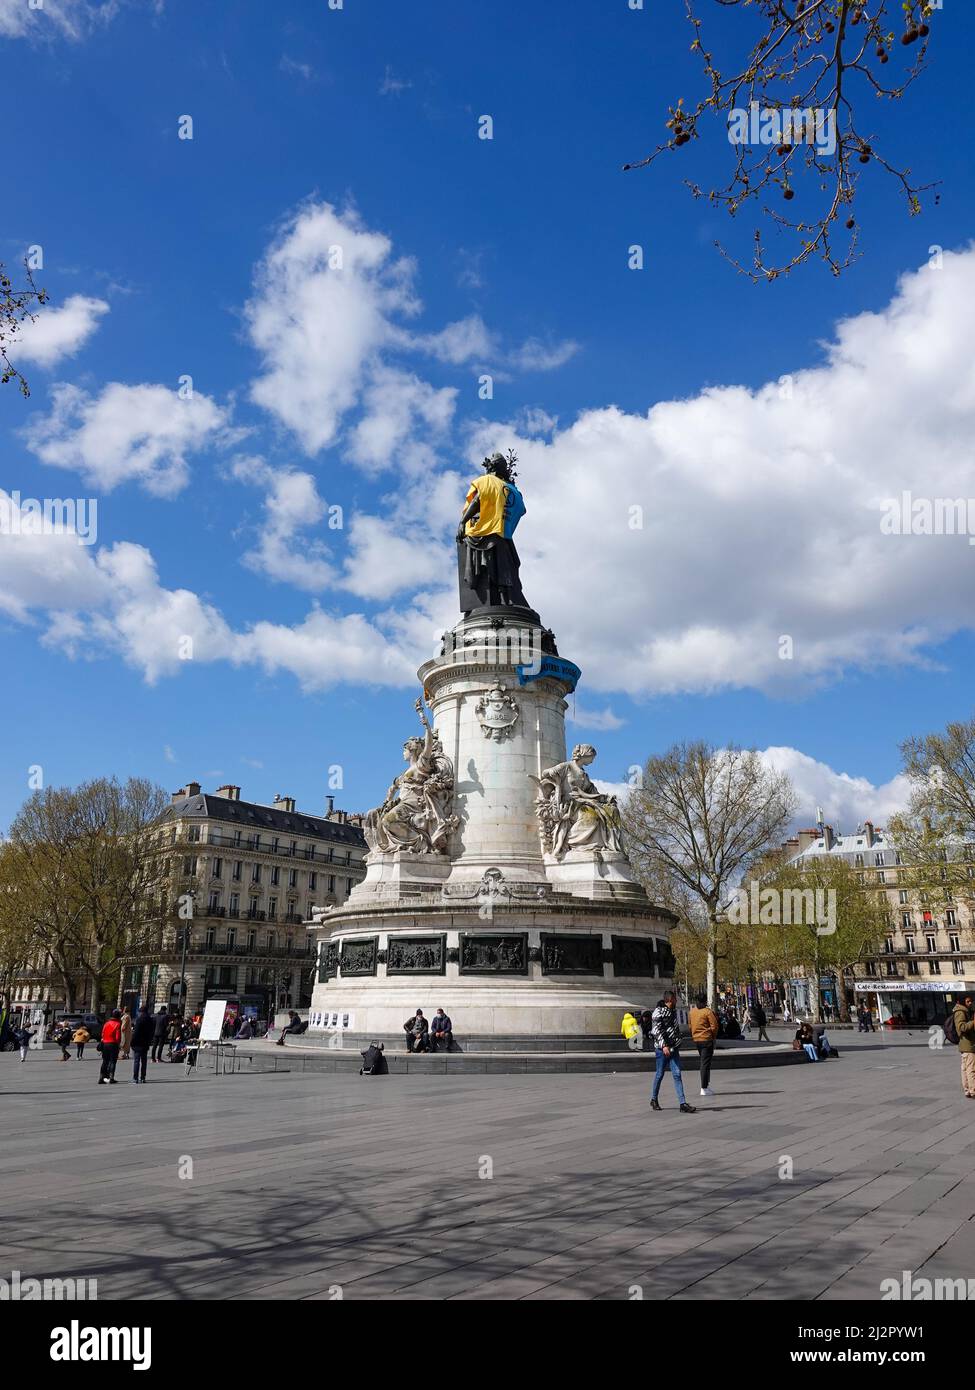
[416, 813]
[572, 812]
[487, 560]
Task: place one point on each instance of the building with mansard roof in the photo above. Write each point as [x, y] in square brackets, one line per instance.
[236, 882]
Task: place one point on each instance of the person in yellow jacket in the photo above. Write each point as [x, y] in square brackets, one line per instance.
[631, 1031]
[79, 1037]
[703, 1022]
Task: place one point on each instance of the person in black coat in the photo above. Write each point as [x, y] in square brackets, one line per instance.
[143, 1037]
[160, 1033]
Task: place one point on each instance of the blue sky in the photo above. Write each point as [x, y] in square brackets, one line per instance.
[203, 257]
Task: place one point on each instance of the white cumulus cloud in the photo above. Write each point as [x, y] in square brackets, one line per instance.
[57, 333]
[126, 433]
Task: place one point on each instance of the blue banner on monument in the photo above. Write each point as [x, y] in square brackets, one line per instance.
[549, 666]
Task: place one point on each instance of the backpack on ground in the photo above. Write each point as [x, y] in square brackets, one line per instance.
[950, 1031]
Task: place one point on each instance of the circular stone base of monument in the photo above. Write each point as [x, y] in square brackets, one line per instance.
[487, 1010]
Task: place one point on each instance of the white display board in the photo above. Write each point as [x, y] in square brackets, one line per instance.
[213, 1016]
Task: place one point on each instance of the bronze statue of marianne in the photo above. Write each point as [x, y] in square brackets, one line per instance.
[487, 561]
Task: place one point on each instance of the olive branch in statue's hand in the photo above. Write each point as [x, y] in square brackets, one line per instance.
[809, 56]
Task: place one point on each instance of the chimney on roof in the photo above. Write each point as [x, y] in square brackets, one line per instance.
[331, 807]
[808, 837]
[829, 839]
[283, 803]
[868, 831]
[230, 792]
[192, 789]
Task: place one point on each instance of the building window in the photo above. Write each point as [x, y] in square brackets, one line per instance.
[956, 966]
[294, 847]
[238, 870]
[275, 844]
[932, 943]
[950, 918]
[858, 861]
[210, 937]
[251, 940]
[313, 881]
[193, 835]
[189, 863]
[936, 967]
[253, 907]
[275, 876]
[217, 868]
[235, 904]
[255, 873]
[913, 968]
[909, 943]
[891, 967]
[269, 944]
[236, 837]
[889, 945]
[253, 842]
[214, 902]
[881, 877]
[231, 937]
[902, 896]
[880, 861]
[272, 908]
[897, 857]
[292, 878]
[348, 886]
[331, 883]
[906, 921]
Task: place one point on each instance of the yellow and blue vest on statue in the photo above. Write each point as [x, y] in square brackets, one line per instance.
[501, 507]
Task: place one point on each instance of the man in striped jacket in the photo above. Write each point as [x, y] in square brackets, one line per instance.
[666, 1039]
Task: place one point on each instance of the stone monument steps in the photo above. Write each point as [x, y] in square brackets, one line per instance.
[393, 1042]
[267, 1057]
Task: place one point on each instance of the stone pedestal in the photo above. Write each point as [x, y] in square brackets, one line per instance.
[508, 937]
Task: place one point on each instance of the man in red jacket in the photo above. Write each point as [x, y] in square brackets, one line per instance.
[111, 1041]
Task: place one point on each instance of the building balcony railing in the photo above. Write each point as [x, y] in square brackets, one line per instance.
[341, 858]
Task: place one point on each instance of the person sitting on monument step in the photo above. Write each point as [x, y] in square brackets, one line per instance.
[417, 1033]
[441, 1031]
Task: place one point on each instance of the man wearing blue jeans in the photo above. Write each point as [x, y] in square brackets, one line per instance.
[666, 1037]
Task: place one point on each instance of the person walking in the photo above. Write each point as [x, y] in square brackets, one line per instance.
[63, 1039]
[143, 1036]
[111, 1041]
[760, 1020]
[22, 1037]
[79, 1037]
[160, 1031]
[963, 1027]
[666, 1037]
[704, 1030]
[126, 1040]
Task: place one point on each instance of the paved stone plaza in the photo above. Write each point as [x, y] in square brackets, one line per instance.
[304, 1183]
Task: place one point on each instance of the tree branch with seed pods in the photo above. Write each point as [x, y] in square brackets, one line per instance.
[810, 57]
[15, 307]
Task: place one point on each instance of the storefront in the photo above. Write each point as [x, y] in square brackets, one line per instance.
[911, 1004]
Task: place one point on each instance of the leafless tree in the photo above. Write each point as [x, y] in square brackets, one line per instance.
[16, 305]
[700, 819]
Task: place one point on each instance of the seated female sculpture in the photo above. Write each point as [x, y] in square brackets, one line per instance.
[572, 812]
[415, 815]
